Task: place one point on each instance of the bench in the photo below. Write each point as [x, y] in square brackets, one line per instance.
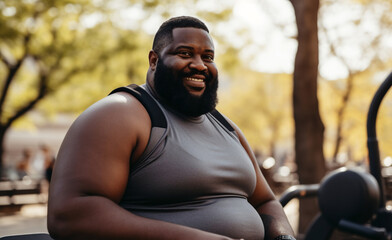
[12, 189]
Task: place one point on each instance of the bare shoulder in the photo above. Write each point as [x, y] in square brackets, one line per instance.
[118, 116]
[118, 105]
[98, 149]
[117, 111]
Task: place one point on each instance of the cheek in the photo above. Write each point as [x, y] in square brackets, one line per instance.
[213, 71]
[176, 67]
[175, 62]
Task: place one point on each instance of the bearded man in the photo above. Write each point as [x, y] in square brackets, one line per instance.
[121, 175]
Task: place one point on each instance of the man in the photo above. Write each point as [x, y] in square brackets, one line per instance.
[114, 180]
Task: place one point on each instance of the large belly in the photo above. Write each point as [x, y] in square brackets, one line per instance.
[229, 216]
[201, 178]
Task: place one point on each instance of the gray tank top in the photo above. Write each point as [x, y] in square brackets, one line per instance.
[195, 173]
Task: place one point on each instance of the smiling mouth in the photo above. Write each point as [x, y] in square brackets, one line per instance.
[194, 84]
[194, 79]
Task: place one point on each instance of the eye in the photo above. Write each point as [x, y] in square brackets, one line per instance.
[208, 58]
[184, 53]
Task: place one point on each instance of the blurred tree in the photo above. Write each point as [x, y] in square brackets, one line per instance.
[260, 104]
[353, 145]
[354, 39]
[47, 44]
[309, 128]
[83, 48]
[356, 47]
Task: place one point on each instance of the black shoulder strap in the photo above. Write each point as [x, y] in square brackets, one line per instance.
[222, 120]
[158, 119]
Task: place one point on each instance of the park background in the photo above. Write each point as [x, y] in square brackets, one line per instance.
[59, 57]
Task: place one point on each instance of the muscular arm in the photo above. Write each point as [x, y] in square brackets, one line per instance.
[91, 173]
[270, 210]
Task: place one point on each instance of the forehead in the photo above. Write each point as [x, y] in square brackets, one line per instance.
[193, 37]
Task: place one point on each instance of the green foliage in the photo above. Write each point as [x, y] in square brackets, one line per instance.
[71, 53]
[74, 52]
[60, 56]
[53, 46]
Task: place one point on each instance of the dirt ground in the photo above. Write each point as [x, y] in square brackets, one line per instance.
[29, 219]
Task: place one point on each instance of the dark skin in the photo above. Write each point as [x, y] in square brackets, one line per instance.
[91, 170]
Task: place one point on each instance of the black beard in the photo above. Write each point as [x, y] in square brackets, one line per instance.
[172, 91]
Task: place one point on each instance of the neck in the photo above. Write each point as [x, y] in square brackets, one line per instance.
[151, 88]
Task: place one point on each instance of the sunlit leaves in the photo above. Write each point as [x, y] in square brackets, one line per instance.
[261, 105]
[87, 48]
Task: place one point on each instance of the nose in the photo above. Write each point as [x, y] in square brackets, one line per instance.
[198, 63]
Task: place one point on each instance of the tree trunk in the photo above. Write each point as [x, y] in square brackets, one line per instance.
[309, 128]
[2, 137]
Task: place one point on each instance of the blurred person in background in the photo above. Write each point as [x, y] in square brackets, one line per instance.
[49, 160]
[23, 165]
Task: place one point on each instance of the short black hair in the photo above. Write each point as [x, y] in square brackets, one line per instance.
[164, 34]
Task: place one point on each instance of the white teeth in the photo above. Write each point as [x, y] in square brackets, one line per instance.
[195, 79]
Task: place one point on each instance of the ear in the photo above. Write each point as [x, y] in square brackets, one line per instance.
[153, 59]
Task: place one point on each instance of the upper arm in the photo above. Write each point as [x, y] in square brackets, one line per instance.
[95, 155]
